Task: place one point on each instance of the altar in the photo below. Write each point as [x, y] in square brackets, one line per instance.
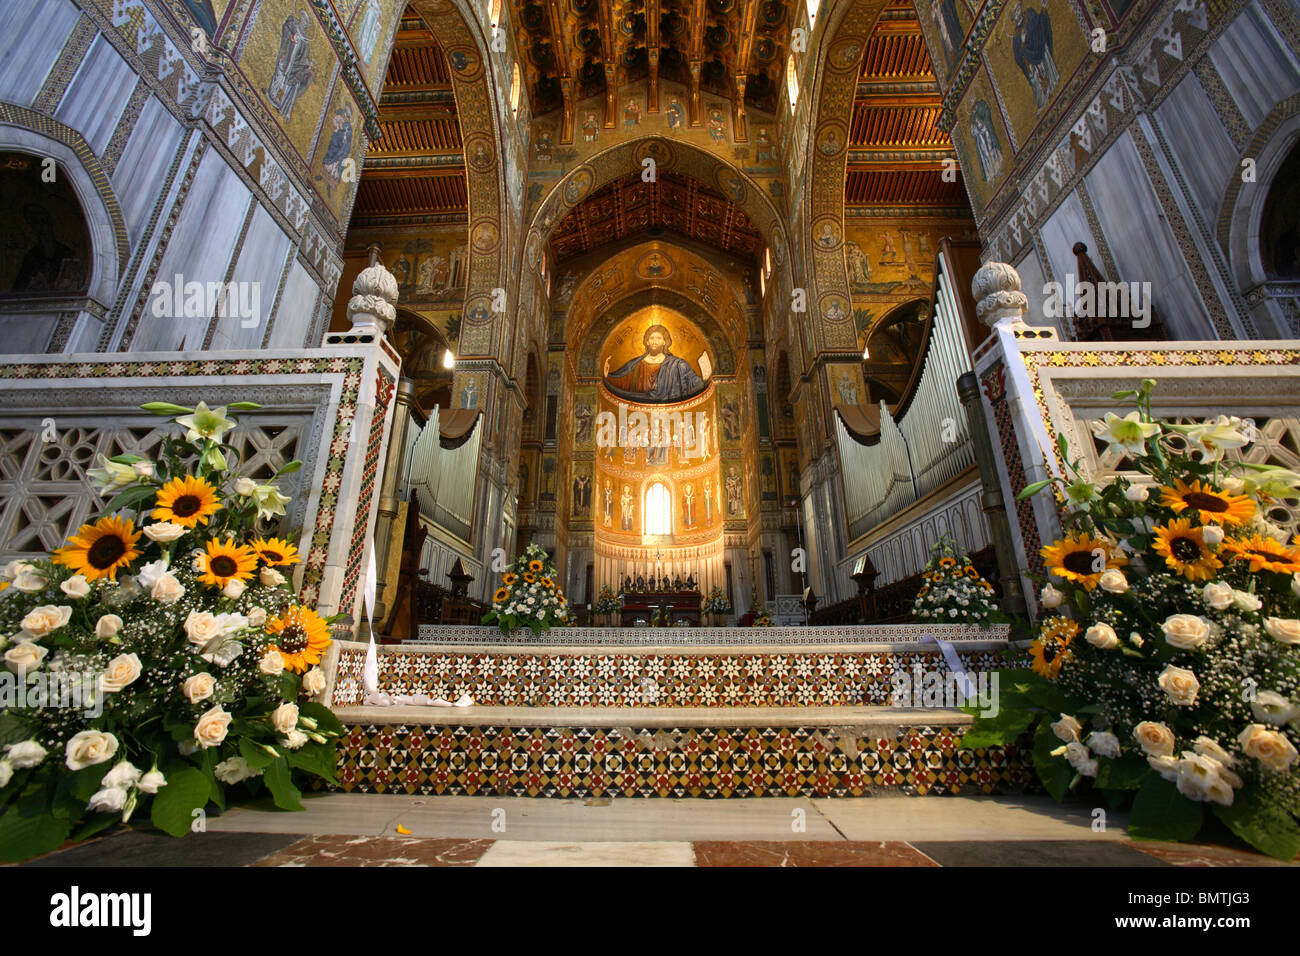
[659, 603]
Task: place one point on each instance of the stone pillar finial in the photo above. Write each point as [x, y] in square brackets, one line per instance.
[996, 290]
[374, 296]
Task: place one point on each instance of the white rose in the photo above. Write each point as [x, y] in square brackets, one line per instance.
[271, 577]
[1210, 748]
[1180, 684]
[244, 486]
[272, 663]
[6, 773]
[201, 627]
[230, 623]
[1267, 746]
[1155, 739]
[76, 586]
[108, 626]
[1113, 581]
[1271, 707]
[1165, 765]
[1137, 493]
[1067, 729]
[152, 782]
[212, 727]
[257, 616]
[233, 589]
[164, 532]
[25, 656]
[1050, 597]
[29, 582]
[46, 619]
[149, 574]
[167, 590]
[234, 770]
[15, 568]
[1101, 636]
[1104, 743]
[88, 748]
[108, 800]
[25, 754]
[1135, 639]
[143, 469]
[122, 670]
[1077, 756]
[1212, 535]
[1284, 629]
[294, 739]
[285, 717]
[1246, 601]
[313, 682]
[1186, 631]
[1197, 777]
[199, 687]
[1217, 596]
[123, 776]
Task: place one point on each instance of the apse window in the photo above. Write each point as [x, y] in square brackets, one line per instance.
[812, 9]
[658, 509]
[515, 84]
[791, 80]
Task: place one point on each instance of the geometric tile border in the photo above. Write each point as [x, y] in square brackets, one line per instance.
[691, 636]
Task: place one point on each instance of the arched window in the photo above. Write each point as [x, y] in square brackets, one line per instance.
[515, 85]
[494, 12]
[658, 509]
[791, 79]
[812, 9]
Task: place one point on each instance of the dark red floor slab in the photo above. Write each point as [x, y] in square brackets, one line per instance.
[347, 850]
[1190, 854]
[807, 853]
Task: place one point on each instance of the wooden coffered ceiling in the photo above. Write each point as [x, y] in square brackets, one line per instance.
[580, 48]
[415, 172]
[897, 152]
[679, 204]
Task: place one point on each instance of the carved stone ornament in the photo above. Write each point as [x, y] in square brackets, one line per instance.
[373, 296]
[996, 290]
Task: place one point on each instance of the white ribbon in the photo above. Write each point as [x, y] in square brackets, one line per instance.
[954, 664]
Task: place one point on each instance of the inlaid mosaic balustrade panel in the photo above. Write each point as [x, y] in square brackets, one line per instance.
[720, 762]
[650, 679]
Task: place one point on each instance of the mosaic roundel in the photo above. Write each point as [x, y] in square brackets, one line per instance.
[845, 54]
[466, 62]
[479, 153]
[835, 308]
[730, 182]
[485, 236]
[832, 138]
[659, 150]
[578, 185]
[827, 234]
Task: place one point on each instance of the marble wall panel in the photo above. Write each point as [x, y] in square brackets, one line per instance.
[1060, 232]
[1254, 66]
[98, 95]
[1200, 143]
[31, 39]
[296, 310]
[261, 261]
[142, 171]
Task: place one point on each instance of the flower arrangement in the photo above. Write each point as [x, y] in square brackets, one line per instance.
[953, 592]
[607, 602]
[716, 602]
[1166, 673]
[160, 656]
[529, 596]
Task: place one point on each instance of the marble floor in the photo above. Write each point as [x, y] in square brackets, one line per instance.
[395, 830]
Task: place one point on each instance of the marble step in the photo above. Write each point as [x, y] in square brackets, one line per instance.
[442, 634]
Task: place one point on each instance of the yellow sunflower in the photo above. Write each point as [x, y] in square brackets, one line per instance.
[186, 501]
[225, 562]
[508, 579]
[501, 595]
[275, 551]
[530, 578]
[1213, 505]
[1051, 648]
[1076, 558]
[1264, 554]
[947, 562]
[1185, 551]
[925, 589]
[301, 635]
[535, 567]
[101, 549]
[972, 573]
[548, 582]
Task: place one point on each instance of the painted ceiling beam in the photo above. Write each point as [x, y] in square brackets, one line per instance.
[555, 17]
[696, 59]
[610, 56]
[748, 18]
[652, 16]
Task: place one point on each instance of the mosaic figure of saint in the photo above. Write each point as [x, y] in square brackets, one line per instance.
[368, 32]
[338, 150]
[589, 128]
[293, 67]
[987, 148]
[1032, 47]
[627, 505]
[609, 504]
[656, 375]
[688, 505]
[674, 113]
[717, 126]
[632, 115]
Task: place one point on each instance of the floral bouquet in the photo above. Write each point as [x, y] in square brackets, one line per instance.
[529, 596]
[1167, 672]
[716, 602]
[954, 592]
[161, 655]
[606, 602]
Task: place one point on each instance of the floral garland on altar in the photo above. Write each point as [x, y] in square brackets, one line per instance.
[1166, 673]
[161, 656]
[716, 602]
[529, 596]
[954, 592]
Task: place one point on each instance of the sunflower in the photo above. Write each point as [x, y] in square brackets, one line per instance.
[1264, 554]
[947, 562]
[224, 563]
[1051, 648]
[1213, 505]
[1075, 558]
[535, 567]
[530, 578]
[275, 552]
[508, 579]
[501, 595]
[925, 589]
[186, 501]
[548, 582]
[300, 635]
[972, 573]
[101, 549]
[1185, 551]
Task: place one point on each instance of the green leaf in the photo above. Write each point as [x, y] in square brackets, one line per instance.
[29, 829]
[131, 496]
[243, 406]
[1122, 773]
[13, 729]
[1000, 730]
[187, 790]
[83, 784]
[1266, 826]
[289, 469]
[125, 459]
[1122, 395]
[279, 781]
[1033, 488]
[317, 759]
[1054, 772]
[1160, 812]
[166, 408]
[254, 753]
[324, 717]
[93, 825]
